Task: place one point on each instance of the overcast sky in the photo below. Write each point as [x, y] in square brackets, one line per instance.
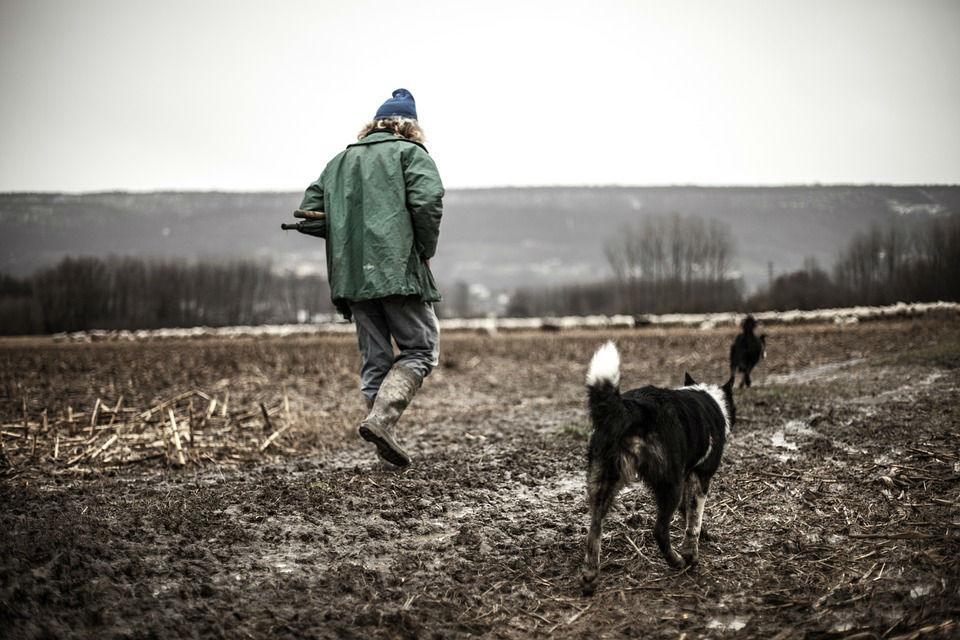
[252, 95]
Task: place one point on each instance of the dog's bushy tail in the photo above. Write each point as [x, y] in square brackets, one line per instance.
[604, 368]
[603, 385]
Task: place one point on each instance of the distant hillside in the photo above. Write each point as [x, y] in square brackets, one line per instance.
[501, 238]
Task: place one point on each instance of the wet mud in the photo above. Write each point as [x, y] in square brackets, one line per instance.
[835, 512]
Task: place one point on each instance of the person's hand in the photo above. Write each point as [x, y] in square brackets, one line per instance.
[427, 262]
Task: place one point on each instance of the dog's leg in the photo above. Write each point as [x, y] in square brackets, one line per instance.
[704, 534]
[668, 499]
[695, 497]
[602, 489]
[746, 377]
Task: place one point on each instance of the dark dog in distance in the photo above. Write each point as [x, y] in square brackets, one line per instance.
[747, 350]
[671, 439]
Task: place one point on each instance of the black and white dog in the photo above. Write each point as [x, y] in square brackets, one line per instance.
[747, 350]
[672, 439]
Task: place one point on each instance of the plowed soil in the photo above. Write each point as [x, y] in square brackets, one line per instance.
[835, 512]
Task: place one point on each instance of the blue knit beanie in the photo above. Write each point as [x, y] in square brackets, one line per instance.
[401, 105]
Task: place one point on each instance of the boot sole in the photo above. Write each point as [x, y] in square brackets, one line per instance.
[386, 447]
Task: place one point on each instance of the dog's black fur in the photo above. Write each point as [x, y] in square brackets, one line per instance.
[746, 351]
[672, 439]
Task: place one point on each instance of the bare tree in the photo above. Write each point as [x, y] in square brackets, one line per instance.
[671, 262]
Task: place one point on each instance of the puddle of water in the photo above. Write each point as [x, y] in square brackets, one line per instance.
[842, 626]
[791, 429]
[462, 513]
[811, 373]
[888, 458]
[778, 439]
[843, 621]
[728, 624]
[899, 392]
[428, 538]
[799, 427]
[381, 563]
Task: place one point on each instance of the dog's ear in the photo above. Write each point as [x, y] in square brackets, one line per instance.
[688, 380]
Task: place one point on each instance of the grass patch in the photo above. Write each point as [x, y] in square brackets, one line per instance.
[576, 430]
[944, 354]
[319, 488]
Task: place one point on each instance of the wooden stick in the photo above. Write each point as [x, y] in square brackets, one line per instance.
[190, 422]
[77, 458]
[268, 426]
[165, 440]
[206, 415]
[114, 412]
[309, 215]
[105, 446]
[922, 631]
[273, 436]
[163, 405]
[176, 439]
[93, 454]
[94, 415]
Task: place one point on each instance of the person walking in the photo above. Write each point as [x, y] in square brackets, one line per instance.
[383, 200]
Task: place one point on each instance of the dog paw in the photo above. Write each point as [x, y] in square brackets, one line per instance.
[675, 560]
[588, 581]
[690, 559]
[690, 552]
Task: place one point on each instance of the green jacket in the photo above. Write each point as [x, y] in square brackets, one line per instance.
[383, 201]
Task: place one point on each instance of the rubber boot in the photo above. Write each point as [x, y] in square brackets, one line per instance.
[396, 392]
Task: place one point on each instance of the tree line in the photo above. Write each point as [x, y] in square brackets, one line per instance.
[662, 264]
[887, 264]
[665, 264]
[136, 293]
[676, 264]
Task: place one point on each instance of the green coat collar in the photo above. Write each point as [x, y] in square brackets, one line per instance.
[375, 138]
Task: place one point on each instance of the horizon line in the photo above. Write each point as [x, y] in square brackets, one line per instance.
[678, 185]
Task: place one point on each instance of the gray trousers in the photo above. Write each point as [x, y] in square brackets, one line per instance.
[411, 323]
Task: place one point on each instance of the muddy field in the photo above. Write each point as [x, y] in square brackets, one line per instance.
[835, 513]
